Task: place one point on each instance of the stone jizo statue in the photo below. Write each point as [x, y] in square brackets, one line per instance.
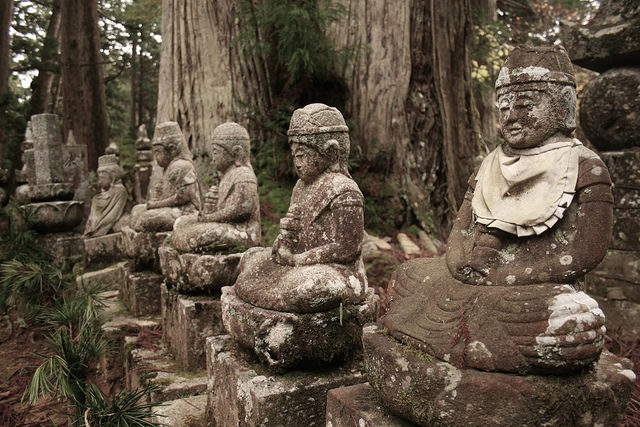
[536, 217]
[180, 194]
[315, 263]
[231, 218]
[108, 206]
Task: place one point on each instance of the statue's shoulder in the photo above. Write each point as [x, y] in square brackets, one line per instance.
[591, 169]
[242, 174]
[340, 183]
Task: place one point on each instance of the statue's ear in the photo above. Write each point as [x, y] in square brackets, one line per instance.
[568, 99]
[331, 148]
[238, 155]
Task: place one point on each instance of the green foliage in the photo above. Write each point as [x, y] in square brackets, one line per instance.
[126, 409]
[382, 212]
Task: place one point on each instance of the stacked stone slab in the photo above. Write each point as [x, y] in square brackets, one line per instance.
[610, 118]
[55, 176]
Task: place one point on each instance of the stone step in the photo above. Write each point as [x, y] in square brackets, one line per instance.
[183, 412]
[110, 277]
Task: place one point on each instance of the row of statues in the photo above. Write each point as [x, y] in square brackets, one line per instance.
[536, 217]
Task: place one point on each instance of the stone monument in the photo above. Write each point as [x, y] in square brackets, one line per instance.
[143, 167]
[205, 249]
[152, 222]
[301, 302]
[50, 170]
[610, 118]
[498, 331]
[102, 237]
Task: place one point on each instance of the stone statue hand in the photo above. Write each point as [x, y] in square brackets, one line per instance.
[284, 256]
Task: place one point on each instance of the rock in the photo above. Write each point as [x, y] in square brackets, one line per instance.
[612, 125]
[183, 412]
[109, 278]
[55, 216]
[407, 245]
[380, 243]
[429, 391]
[142, 247]
[427, 243]
[103, 249]
[140, 292]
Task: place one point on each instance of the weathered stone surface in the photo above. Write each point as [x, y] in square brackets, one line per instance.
[179, 192]
[44, 192]
[609, 109]
[108, 206]
[186, 323]
[623, 317]
[143, 142]
[61, 246]
[610, 40]
[144, 156]
[200, 274]
[624, 167]
[141, 178]
[626, 230]
[285, 340]
[407, 245]
[140, 292]
[110, 277]
[428, 243]
[183, 412]
[55, 216]
[142, 247]
[47, 139]
[103, 249]
[242, 393]
[429, 391]
[359, 405]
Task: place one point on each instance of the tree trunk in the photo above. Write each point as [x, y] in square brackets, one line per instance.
[6, 13]
[135, 87]
[84, 108]
[43, 82]
[411, 93]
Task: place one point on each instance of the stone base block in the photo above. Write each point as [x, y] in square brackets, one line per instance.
[284, 340]
[142, 247]
[149, 366]
[187, 321]
[103, 249]
[429, 391]
[184, 412]
[109, 278]
[61, 246]
[141, 293]
[55, 216]
[358, 405]
[200, 274]
[241, 392]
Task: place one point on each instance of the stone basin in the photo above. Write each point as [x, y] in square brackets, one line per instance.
[48, 217]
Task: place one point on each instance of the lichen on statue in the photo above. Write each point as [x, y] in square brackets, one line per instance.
[180, 194]
[315, 263]
[233, 221]
[108, 206]
[536, 217]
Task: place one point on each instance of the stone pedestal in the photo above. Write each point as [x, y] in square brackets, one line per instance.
[61, 246]
[241, 392]
[359, 405]
[141, 292]
[109, 278]
[142, 247]
[187, 321]
[429, 391]
[103, 249]
[55, 216]
[198, 274]
[285, 340]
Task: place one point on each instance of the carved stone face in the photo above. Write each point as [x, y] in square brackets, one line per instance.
[309, 162]
[528, 117]
[222, 157]
[104, 179]
[162, 155]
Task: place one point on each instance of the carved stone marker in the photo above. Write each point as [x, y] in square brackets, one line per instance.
[505, 300]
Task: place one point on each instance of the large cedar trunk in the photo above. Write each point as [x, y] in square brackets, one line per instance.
[6, 13]
[84, 108]
[410, 93]
[43, 82]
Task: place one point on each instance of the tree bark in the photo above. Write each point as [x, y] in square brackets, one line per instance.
[43, 82]
[6, 13]
[84, 107]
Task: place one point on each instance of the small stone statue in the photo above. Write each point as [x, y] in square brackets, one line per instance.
[315, 262]
[180, 194]
[536, 217]
[108, 206]
[231, 218]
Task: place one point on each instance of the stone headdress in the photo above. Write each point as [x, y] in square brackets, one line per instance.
[109, 163]
[169, 135]
[230, 135]
[315, 124]
[536, 65]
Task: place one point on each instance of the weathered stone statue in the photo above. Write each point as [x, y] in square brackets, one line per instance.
[180, 192]
[536, 217]
[108, 206]
[233, 217]
[315, 264]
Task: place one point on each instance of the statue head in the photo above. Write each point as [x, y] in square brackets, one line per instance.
[320, 128]
[536, 96]
[169, 144]
[112, 148]
[229, 145]
[109, 171]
